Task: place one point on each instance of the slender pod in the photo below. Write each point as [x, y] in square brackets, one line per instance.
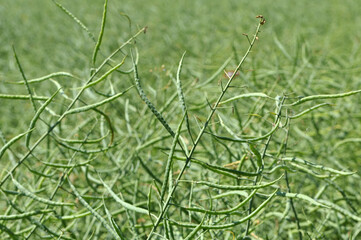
[150, 105]
[228, 225]
[101, 33]
[170, 159]
[37, 116]
[240, 187]
[323, 96]
[37, 198]
[23, 97]
[25, 215]
[93, 212]
[123, 203]
[44, 78]
[181, 96]
[12, 141]
[226, 211]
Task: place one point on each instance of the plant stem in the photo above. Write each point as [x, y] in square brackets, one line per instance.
[213, 110]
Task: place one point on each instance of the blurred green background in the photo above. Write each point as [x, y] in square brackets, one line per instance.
[47, 40]
[307, 46]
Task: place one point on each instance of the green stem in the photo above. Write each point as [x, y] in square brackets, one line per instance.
[213, 110]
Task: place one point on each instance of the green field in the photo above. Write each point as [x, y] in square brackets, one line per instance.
[118, 120]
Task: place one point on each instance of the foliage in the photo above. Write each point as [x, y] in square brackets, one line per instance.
[229, 136]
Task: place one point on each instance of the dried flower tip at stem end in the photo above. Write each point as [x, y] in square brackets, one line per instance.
[262, 19]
